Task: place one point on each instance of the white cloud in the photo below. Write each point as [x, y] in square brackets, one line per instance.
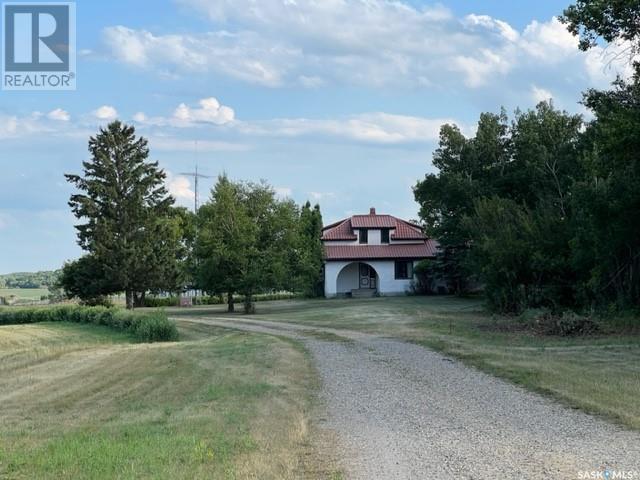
[283, 192]
[180, 188]
[376, 127]
[373, 128]
[173, 144]
[317, 196]
[8, 126]
[242, 55]
[479, 69]
[59, 115]
[278, 43]
[140, 117]
[549, 42]
[208, 111]
[379, 127]
[14, 126]
[105, 112]
[540, 94]
[485, 21]
[603, 64]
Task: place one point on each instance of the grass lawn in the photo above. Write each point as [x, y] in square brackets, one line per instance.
[29, 294]
[81, 401]
[598, 374]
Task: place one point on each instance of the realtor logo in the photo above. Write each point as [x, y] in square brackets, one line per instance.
[38, 46]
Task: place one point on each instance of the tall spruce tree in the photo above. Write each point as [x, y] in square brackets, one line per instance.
[309, 262]
[125, 210]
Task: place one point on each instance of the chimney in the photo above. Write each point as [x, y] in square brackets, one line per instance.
[372, 211]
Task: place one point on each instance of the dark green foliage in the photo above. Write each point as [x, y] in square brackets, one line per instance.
[128, 225]
[251, 243]
[609, 20]
[606, 240]
[309, 259]
[146, 327]
[545, 212]
[426, 272]
[87, 280]
[521, 254]
[499, 206]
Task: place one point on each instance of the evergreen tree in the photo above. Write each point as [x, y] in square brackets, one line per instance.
[126, 213]
[311, 254]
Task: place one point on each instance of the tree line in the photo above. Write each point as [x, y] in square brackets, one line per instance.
[29, 280]
[244, 240]
[543, 209]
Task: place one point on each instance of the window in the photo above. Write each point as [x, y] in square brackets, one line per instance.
[404, 270]
[384, 235]
[363, 236]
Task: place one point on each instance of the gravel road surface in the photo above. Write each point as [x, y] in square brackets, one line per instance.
[401, 411]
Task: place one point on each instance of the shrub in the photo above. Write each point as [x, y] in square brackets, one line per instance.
[566, 325]
[155, 327]
[146, 327]
[164, 302]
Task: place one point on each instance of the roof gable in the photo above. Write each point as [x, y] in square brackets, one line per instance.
[407, 231]
[344, 229]
[339, 231]
[373, 221]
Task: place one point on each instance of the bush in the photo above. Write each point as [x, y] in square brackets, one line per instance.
[155, 327]
[566, 325]
[146, 327]
[164, 302]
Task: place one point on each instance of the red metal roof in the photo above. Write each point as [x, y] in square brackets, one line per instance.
[407, 231]
[339, 231]
[371, 252]
[343, 230]
[373, 221]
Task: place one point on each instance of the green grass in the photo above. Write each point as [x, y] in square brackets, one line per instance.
[598, 374]
[29, 294]
[85, 402]
[327, 336]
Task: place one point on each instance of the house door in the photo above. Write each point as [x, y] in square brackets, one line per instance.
[367, 277]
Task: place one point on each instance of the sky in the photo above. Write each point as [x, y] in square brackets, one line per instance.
[336, 101]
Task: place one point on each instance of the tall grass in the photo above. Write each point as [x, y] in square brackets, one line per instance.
[146, 327]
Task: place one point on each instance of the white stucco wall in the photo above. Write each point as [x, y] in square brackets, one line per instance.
[348, 278]
[387, 284]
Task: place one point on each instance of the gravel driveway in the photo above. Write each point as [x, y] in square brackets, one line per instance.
[401, 411]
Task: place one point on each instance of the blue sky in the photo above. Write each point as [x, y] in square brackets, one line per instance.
[337, 101]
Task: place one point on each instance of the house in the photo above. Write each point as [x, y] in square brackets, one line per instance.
[372, 254]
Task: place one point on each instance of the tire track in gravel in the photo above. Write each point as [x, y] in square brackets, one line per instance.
[401, 411]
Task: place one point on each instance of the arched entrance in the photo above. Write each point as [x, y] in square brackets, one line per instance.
[357, 279]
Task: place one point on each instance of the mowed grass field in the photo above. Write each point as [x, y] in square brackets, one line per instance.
[598, 374]
[24, 293]
[82, 402]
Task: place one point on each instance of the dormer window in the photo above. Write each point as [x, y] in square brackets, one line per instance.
[363, 236]
[384, 235]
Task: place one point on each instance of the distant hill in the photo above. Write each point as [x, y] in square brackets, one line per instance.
[29, 279]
